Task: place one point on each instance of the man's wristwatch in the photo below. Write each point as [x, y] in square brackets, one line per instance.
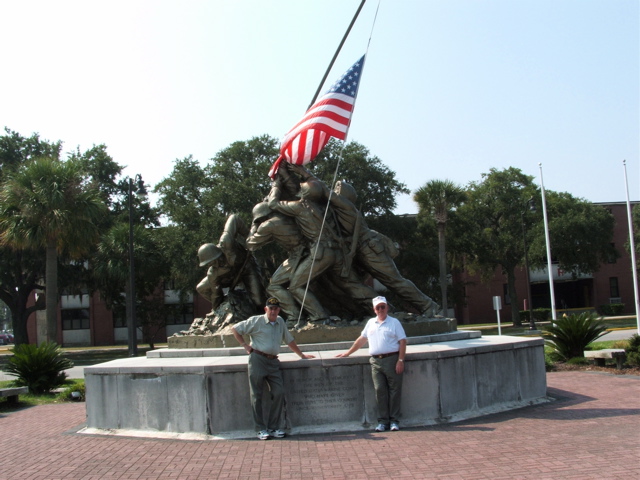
[401, 359]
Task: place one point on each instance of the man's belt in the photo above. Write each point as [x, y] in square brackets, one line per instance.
[269, 356]
[385, 355]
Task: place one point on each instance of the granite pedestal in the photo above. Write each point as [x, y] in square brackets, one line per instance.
[204, 393]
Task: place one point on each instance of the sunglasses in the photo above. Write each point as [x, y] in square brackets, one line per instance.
[380, 307]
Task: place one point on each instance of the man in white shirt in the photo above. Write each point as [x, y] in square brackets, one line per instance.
[387, 347]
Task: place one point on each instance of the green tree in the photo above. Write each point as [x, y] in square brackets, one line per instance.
[103, 171]
[16, 150]
[22, 268]
[436, 199]
[47, 203]
[580, 233]
[490, 231]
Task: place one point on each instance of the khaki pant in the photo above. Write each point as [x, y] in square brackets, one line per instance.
[388, 386]
[264, 370]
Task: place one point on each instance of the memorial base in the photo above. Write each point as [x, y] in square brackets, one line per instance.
[204, 393]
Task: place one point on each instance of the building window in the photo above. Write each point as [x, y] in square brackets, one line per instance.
[75, 319]
[611, 257]
[119, 313]
[179, 314]
[614, 291]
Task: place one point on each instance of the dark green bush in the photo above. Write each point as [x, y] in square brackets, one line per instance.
[569, 335]
[74, 392]
[549, 362]
[541, 314]
[524, 316]
[41, 368]
[633, 350]
[611, 309]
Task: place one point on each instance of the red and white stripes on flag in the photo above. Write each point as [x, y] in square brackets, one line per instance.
[328, 117]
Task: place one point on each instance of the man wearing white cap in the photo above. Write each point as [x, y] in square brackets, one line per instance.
[387, 347]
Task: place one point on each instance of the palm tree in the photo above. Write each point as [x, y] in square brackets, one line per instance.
[437, 198]
[48, 204]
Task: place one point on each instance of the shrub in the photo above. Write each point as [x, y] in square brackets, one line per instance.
[541, 314]
[74, 392]
[549, 362]
[569, 335]
[41, 368]
[611, 309]
[633, 350]
[524, 316]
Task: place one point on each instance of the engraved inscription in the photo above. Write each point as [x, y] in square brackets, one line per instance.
[324, 393]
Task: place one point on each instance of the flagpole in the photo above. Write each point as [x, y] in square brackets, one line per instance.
[335, 55]
[634, 267]
[546, 236]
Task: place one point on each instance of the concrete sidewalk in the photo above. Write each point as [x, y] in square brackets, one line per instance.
[590, 431]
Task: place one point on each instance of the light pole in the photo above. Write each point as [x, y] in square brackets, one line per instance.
[131, 314]
[532, 208]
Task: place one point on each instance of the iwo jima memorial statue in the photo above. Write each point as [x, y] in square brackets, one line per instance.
[322, 289]
[326, 280]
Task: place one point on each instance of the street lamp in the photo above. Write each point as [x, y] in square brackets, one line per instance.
[532, 208]
[131, 316]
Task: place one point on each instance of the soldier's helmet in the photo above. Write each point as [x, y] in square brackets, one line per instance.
[346, 190]
[207, 253]
[260, 211]
[311, 190]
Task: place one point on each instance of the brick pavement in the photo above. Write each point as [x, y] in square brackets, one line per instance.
[591, 431]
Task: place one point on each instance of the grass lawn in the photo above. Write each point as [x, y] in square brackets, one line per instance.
[31, 400]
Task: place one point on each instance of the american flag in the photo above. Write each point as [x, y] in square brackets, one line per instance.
[328, 117]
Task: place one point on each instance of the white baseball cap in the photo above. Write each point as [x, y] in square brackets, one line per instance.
[378, 300]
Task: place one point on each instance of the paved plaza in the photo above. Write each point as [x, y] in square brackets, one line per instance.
[590, 431]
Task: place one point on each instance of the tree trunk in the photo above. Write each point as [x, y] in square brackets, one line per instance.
[443, 267]
[511, 288]
[51, 292]
[19, 323]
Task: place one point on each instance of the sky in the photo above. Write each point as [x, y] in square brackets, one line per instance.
[450, 89]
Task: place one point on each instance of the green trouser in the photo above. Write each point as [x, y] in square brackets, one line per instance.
[388, 386]
[261, 370]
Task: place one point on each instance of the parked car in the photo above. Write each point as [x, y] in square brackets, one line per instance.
[6, 338]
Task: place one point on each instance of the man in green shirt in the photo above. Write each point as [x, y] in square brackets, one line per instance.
[266, 333]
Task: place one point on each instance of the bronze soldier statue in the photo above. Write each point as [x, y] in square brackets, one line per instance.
[324, 245]
[270, 226]
[373, 251]
[229, 264]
